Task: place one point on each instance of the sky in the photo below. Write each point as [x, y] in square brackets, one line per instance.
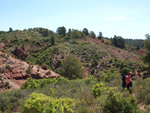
[127, 18]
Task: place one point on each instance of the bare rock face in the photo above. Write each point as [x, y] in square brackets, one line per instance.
[38, 73]
[21, 51]
[16, 72]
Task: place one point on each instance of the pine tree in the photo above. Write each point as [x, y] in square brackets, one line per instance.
[10, 29]
[61, 31]
[147, 47]
[118, 41]
[53, 40]
[69, 34]
[100, 35]
[83, 35]
[92, 34]
[147, 56]
[86, 32]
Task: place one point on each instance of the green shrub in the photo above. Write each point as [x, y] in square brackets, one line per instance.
[62, 105]
[12, 101]
[147, 109]
[31, 59]
[146, 75]
[92, 70]
[83, 109]
[66, 105]
[72, 68]
[90, 79]
[40, 103]
[111, 61]
[116, 103]
[98, 89]
[108, 75]
[62, 80]
[36, 103]
[142, 89]
[7, 85]
[95, 62]
[148, 98]
[31, 83]
[109, 66]
[44, 66]
[74, 42]
[44, 82]
[125, 70]
[51, 108]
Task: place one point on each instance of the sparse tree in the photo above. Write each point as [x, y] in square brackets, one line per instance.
[86, 32]
[118, 41]
[147, 47]
[147, 36]
[83, 35]
[44, 32]
[72, 68]
[53, 40]
[100, 35]
[10, 29]
[76, 33]
[69, 34]
[61, 31]
[147, 56]
[92, 34]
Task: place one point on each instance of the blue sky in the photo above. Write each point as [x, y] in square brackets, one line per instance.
[126, 18]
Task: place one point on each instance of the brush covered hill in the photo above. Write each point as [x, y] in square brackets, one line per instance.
[35, 47]
[99, 89]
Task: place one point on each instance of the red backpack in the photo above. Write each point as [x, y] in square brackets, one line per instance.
[127, 80]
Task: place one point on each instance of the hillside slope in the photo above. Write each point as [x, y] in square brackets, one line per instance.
[114, 51]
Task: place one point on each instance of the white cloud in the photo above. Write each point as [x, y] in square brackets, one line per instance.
[119, 18]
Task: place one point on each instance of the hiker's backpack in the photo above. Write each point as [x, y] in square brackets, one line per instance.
[127, 80]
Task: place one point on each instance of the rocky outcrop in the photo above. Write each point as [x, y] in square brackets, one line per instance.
[21, 51]
[15, 71]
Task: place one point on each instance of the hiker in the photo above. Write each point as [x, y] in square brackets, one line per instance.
[127, 81]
